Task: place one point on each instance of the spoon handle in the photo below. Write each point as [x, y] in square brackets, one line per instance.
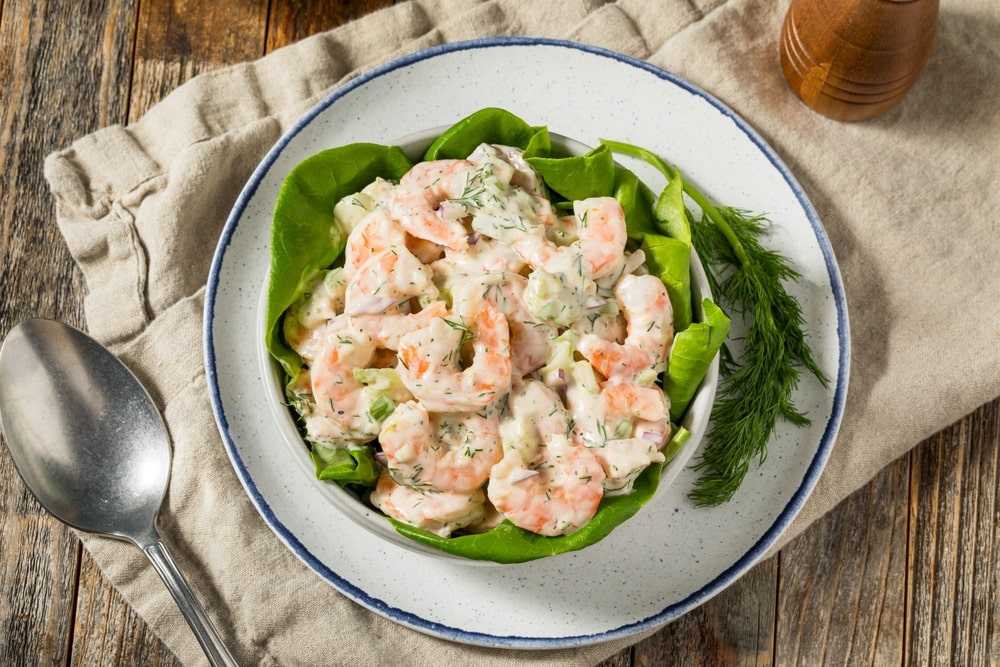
[217, 653]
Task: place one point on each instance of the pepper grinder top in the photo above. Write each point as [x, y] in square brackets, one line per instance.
[852, 60]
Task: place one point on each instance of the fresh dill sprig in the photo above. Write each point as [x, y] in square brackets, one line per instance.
[755, 389]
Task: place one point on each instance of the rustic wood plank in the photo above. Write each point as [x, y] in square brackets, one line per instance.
[842, 583]
[48, 68]
[107, 631]
[178, 39]
[38, 577]
[292, 20]
[954, 610]
[736, 627]
[978, 598]
[984, 436]
[37, 58]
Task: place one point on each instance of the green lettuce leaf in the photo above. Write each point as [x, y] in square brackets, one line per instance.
[509, 544]
[305, 237]
[670, 260]
[671, 214]
[691, 355]
[489, 125]
[356, 466]
[580, 176]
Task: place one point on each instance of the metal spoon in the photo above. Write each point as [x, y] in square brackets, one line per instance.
[92, 448]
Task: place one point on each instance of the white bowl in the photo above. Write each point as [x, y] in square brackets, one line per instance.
[695, 419]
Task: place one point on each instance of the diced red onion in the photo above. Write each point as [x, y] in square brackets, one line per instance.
[595, 302]
[473, 239]
[654, 437]
[522, 475]
[381, 459]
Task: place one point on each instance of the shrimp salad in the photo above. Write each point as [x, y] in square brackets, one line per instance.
[495, 348]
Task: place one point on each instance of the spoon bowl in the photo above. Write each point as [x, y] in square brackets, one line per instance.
[90, 445]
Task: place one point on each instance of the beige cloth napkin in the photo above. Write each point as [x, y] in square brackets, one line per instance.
[910, 201]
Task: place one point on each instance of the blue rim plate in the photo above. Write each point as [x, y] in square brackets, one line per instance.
[669, 558]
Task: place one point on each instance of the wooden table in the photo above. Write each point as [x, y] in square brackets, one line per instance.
[905, 571]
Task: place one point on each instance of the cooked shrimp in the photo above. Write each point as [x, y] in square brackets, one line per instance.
[624, 425]
[341, 403]
[438, 512]
[623, 460]
[429, 360]
[553, 491]
[563, 288]
[600, 242]
[633, 262]
[529, 337]
[386, 279]
[602, 233]
[376, 232]
[430, 201]
[483, 255]
[610, 326]
[642, 356]
[387, 328]
[440, 452]
[615, 409]
[638, 420]
[628, 399]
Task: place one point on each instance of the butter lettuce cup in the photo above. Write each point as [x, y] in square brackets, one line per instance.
[357, 431]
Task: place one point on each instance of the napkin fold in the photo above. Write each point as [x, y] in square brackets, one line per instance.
[909, 201]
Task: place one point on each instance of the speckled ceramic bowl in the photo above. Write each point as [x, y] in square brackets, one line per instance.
[672, 555]
[695, 420]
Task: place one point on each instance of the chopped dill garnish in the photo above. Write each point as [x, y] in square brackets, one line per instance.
[467, 334]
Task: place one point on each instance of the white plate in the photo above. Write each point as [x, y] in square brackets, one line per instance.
[670, 557]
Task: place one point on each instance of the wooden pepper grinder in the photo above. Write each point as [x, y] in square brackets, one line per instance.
[853, 59]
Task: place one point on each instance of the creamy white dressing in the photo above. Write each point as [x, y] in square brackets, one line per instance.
[468, 314]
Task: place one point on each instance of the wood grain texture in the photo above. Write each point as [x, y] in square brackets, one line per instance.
[736, 627]
[904, 572]
[954, 564]
[292, 20]
[842, 582]
[107, 631]
[179, 39]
